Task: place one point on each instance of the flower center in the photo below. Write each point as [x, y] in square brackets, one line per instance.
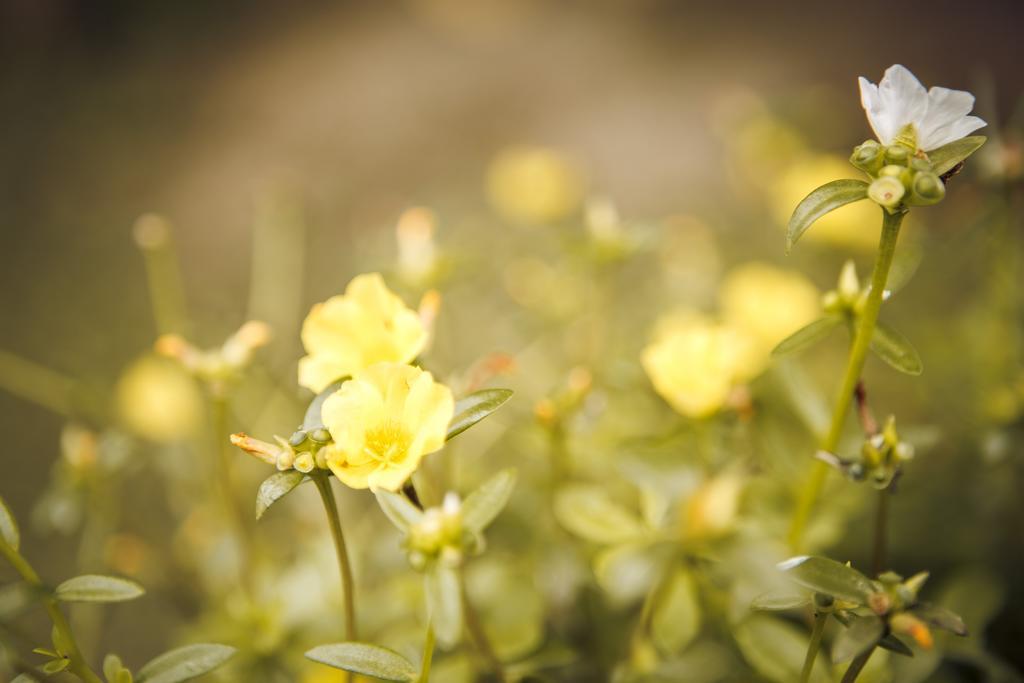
[387, 443]
[907, 136]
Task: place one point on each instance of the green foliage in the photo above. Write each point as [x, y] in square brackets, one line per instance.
[946, 157]
[676, 614]
[830, 578]
[484, 504]
[821, 201]
[588, 511]
[862, 633]
[444, 603]
[97, 588]
[471, 409]
[896, 350]
[275, 487]
[184, 663]
[807, 336]
[363, 658]
[8, 526]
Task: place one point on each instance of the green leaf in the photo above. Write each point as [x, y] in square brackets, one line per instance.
[776, 650]
[861, 634]
[113, 668]
[98, 588]
[893, 644]
[55, 666]
[940, 617]
[828, 197]
[25, 678]
[444, 603]
[829, 577]
[627, 572]
[807, 336]
[587, 511]
[946, 157]
[778, 601]
[185, 663]
[675, 620]
[8, 526]
[894, 349]
[275, 487]
[366, 659]
[471, 409]
[399, 509]
[313, 420]
[488, 500]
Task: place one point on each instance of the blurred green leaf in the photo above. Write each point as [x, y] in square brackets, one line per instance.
[940, 617]
[893, 644]
[776, 650]
[675, 619]
[366, 659]
[55, 666]
[444, 603]
[275, 487]
[471, 409]
[861, 634]
[8, 526]
[98, 588]
[829, 577]
[828, 197]
[114, 670]
[780, 601]
[485, 503]
[185, 663]
[399, 509]
[896, 350]
[313, 420]
[807, 336]
[587, 511]
[627, 572]
[25, 678]
[946, 157]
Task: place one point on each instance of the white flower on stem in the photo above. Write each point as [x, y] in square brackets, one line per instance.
[901, 110]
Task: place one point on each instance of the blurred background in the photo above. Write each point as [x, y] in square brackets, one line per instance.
[282, 142]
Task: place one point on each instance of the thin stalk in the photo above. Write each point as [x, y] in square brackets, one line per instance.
[77, 664]
[323, 485]
[428, 655]
[820, 619]
[854, 366]
[857, 665]
[881, 535]
[224, 479]
[477, 633]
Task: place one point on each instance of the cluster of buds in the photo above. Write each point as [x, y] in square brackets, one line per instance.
[219, 366]
[901, 176]
[440, 536]
[881, 458]
[898, 603]
[302, 451]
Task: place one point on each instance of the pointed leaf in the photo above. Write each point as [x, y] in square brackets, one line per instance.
[675, 619]
[828, 197]
[776, 650]
[894, 644]
[778, 601]
[484, 504]
[399, 509]
[366, 659]
[940, 617]
[313, 419]
[471, 409]
[111, 666]
[275, 487]
[829, 577]
[55, 666]
[98, 588]
[894, 349]
[861, 634]
[444, 603]
[807, 336]
[185, 663]
[627, 572]
[587, 511]
[8, 526]
[946, 157]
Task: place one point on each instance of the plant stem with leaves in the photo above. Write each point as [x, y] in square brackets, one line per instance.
[323, 485]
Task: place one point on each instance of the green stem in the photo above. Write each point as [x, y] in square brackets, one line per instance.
[881, 537]
[428, 655]
[323, 485]
[77, 664]
[225, 487]
[477, 633]
[820, 619]
[854, 366]
[857, 665]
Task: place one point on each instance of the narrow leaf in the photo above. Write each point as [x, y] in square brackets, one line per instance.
[778, 601]
[471, 409]
[829, 577]
[402, 513]
[484, 504]
[859, 636]
[8, 526]
[828, 197]
[366, 659]
[275, 487]
[313, 419]
[185, 663]
[24, 678]
[894, 644]
[807, 336]
[587, 511]
[946, 157]
[675, 620]
[55, 666]
[444, 603]
[940, 617]
[98, 588]
[894, 349]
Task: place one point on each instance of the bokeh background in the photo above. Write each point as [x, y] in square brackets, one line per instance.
[331, 119]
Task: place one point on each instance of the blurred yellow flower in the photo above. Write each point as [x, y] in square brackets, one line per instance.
[768, 303]
[853, 226]
[695, 363]
[347, 333]
[712, 510]
[383, 421]
[158, 400]
[534, 185]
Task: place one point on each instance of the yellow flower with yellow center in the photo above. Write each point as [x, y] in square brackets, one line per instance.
[368, 324]
[768, 303]
[383, 421]
[534, 185]
[695, 363]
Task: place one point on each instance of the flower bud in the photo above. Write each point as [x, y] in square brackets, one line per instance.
[909, 625]
[927, 188]
[297, 439]
[304, 462]
[267, 452]
[897, 154]
[886, 191]
[849, 284]
[868, 157]
[831, 302]
[320, 436]
[285, 460]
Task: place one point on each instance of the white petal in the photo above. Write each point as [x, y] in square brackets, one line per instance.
[904, 99]
[958, 129]
[947, 118]
[872, 103]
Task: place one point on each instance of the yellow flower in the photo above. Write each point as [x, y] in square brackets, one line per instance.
[534, 185]
[383, 421]
[158, 400]
[694, 363]
[712, 509]
[768, 303]
[368, 324]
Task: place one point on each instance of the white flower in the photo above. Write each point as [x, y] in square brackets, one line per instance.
[900, 107]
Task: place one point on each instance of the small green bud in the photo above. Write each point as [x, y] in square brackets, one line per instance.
[891, 171]
[886, 191]
[297, 439]
[320, 436]
[916, 582]
[304, 462]
[285, 460]
[889, 432]
[849, 284]
[897, 154]
[919, 164]
[868, 157]
[856, 471]
[927, 188]
[832, 302]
